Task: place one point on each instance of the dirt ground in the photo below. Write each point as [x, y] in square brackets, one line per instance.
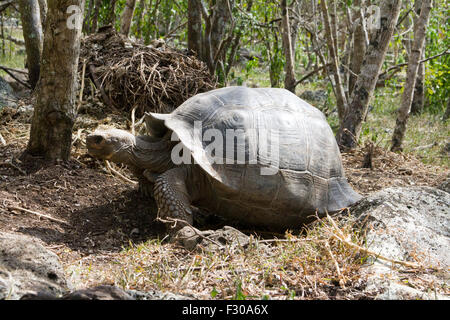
[92, 213]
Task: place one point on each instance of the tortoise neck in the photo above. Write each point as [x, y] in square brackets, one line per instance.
[153, 155]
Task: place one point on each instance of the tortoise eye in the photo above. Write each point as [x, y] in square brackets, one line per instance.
[96, 139]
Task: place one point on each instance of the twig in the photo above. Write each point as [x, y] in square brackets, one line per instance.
[133, 112]
[14, 77]
[121, 176]
[420, 61]
[289, 240]
[341, 238]
[15, 70]
[336, 265]
[2, 140]
[83, 73]
[309, 74]
[38, 214]
[425, 147]
[100, 88]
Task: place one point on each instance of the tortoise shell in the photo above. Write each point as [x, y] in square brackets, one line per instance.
[279, 154]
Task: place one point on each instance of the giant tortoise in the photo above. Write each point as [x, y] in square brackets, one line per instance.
[262, 128]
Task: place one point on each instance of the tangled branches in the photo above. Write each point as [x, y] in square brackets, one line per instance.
[148, 78]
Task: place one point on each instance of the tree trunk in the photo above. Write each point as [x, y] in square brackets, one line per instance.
[447, 111]
[112, 12]
[55, 108]
[32, 34]
[411, 74]
[97, 5]
[359, 48]
[220, 18]
[350, 128]
[142, 8]
[289, 80]
[194, 27]
[419, 89]
[127, 17]
[87, 19]
[43, 8]
[341, 100]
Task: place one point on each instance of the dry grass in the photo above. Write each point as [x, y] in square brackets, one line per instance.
[389, 169]
[313, 265]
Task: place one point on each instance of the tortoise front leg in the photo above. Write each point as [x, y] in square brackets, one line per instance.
[173, 199]
[145, 186]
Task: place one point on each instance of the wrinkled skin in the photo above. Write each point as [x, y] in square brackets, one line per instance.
[138, 153]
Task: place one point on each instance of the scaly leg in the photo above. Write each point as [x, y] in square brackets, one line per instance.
[173, 199]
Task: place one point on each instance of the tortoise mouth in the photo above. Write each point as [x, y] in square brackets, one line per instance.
[97, 152]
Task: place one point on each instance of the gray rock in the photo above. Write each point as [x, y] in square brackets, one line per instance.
[445, 186]
[26, 266]
[7, 97]
[157, 295]
[407, 224]
[102, 292]
[319, 96]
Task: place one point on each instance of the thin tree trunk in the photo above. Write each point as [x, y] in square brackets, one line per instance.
[289, 80]
[32, 34]
[220, 18]
[142, 8]
[112, 12]
[411, 74]
[419, 89]
[341, 100]
[3, 34]
[127, 17]
[236, 43]
[447, 111]
[55, 108]
[350, 128]
[43, 8]
[195, 27]
[359, 48]
[94, 26]
[87, 19]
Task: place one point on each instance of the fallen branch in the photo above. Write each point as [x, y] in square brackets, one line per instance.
[121, 176]
[40, 215]
[8, 71]
[309, 74]
[15, 40]
[15, 70]
[431, 145]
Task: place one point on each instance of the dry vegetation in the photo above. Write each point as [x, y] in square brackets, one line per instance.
[129, 75]
[105, 233]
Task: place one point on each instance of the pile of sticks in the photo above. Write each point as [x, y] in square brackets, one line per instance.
[131, 76]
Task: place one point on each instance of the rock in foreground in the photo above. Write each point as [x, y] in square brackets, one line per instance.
[407, 224]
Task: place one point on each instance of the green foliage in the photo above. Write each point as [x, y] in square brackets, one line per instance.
[437, 72]
[239, 295]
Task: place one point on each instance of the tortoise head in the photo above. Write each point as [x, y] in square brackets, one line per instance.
[111, 144]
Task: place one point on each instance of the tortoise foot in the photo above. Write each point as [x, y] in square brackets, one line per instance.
[211, 240]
